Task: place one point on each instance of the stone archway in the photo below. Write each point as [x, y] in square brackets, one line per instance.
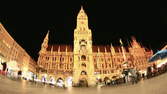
[83, 79]
[83, 73]
[107, 80]
[83, 82]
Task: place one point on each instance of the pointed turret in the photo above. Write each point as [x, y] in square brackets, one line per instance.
[82, 19]
[52, 50]
[98, 49]
[112, 49]
[123, 50]
[134, 43]
[59, 49]
[121, 42]
[45, 43]
[66, 50]
[105, 50]
[82, 15]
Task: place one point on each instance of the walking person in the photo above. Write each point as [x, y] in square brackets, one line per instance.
[19, 74]
[4, 65]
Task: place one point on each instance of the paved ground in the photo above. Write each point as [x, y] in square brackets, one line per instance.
[156, 85]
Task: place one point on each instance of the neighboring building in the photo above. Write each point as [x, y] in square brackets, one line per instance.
[13, 54]
[85, 62]
[162, 60]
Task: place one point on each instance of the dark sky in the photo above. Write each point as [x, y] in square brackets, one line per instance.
[29, 21]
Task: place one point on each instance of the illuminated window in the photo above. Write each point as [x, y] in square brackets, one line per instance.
[47, 58]
[110, 65]
[83, 47]
[102, 59]
[83, 65]
[61, 65]
[102, 66]
[83, 73]
[109, 59]
[82, 42]
[71, 59]
[94, 59]
[83, 57]
[62, 59]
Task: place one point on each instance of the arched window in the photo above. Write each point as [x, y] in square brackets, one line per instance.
[83, 57]
[83, 65]
[82, 42]
[59, 80]
[83, 73]
[83, 47]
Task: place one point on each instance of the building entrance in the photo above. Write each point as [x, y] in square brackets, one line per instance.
[83, 82]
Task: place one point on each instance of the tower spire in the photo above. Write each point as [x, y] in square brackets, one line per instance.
[82, 19]
[112, 49]
[134, 43]
[123, 50]
[98, 49]
[81, 7]
[120, 40]
[45, 42]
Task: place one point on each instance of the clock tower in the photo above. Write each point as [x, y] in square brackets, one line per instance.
[83, 70]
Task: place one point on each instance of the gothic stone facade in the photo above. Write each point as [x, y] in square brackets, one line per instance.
[86, 62]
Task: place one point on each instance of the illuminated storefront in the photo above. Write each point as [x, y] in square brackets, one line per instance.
[12, 69]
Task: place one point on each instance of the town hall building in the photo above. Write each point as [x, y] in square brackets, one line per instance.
[85, 63]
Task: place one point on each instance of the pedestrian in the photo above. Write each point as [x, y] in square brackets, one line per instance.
[19, 74]
[3, 67]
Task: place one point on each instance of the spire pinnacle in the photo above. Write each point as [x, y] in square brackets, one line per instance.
[81, 7]
[47, 36]
[121, 41]
[66, 49]
[59, 49]
[98, 49]
[82, 13]
[45, 43]
[105, 49]
[48, 32]
[111, 45]
[51, 49]
[134, 43]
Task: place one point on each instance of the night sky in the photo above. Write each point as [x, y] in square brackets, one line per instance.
[28, 22]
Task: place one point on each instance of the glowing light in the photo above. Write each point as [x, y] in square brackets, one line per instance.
[69, 82]
[13, 65]
[98, 77]
[60, 83]
[52, 81]
[25, 69]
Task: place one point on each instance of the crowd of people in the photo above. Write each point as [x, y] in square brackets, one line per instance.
[136, 76]
[129, 76]
[155, 71]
